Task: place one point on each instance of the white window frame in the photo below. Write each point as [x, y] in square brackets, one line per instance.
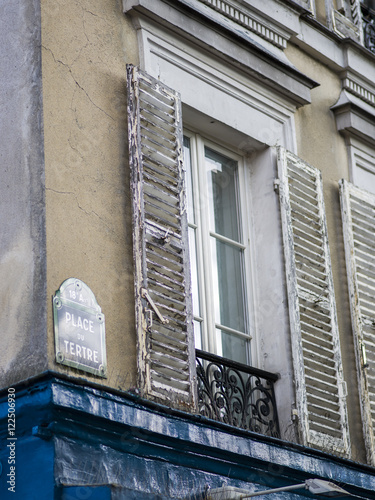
[209, 336]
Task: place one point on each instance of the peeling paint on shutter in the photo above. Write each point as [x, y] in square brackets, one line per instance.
[166, 357]
[358, 216]
[346, 19]
[320, 390]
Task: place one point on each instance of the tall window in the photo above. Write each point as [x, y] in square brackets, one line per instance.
[219, 247]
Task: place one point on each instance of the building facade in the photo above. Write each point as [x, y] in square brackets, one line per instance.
[187, 247]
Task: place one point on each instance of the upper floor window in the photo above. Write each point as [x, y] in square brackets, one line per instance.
[353, 19]
[368, 23]
[219, 248]
[222, 185]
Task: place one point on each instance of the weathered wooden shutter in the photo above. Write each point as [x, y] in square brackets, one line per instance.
[166, 356]
[358, 216]
[346, 19]
[320, 390]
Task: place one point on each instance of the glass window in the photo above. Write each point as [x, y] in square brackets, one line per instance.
[218, 251]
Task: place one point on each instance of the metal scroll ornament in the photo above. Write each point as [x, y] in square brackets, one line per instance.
[236, 394]
[368, 22]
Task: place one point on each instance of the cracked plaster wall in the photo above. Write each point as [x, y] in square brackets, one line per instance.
[85, 47]
[22, 214]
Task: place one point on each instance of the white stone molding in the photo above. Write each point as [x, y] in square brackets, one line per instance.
[246, 51]
[248, 20]
[204, 81]
[359, 90]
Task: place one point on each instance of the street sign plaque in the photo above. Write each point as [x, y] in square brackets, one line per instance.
[79, 328]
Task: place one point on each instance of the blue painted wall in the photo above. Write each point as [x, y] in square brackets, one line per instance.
[34, 463]
[81, 442]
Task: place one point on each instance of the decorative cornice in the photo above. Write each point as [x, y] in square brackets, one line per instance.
[247, 20]
[359, 91]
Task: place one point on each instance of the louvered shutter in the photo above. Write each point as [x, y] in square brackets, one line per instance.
[320, 390]
[166, 356]
[347, 19]
[358, 216]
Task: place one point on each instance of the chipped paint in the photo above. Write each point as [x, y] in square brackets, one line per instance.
[149, 448]
[320, 389]
[166, 358]
[358, 211]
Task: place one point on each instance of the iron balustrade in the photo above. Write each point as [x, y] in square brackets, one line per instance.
[237, 394]
[368, 24]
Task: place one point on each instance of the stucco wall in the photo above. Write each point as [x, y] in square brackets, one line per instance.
[22, 215]
[85, 46]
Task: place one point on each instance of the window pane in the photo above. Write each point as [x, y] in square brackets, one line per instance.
[197, 334]
[189, 180]
[228, 286]
[233, 347]
[222, 177]
[194, 271]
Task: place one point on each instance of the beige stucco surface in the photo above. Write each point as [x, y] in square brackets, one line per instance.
[86, 45]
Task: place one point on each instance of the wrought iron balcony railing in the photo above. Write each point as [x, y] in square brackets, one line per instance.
[237, 394]
[368, 24]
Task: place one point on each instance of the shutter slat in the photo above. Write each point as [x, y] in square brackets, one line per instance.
[361, 269]
[156, 245]
[160, 381]
[172, 278]
[317, 265]
[156, 216]
[174, 351]
[315, 339]
[168, 331]
[311, 336]
[154, 197]
[151, 129]
[161, 183]
[164, 171]
[165, 288]
[162, 144]
[155, 146]
[303, 196]
[306, 230]
[321, 403]
[326, 374]
[303, 217]
[318, 349]
[326, 379]
[363, 233]
[310, 286]
[358, 217]
[166, 356]
[158, 260]
[309, 247]
[163, 159]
